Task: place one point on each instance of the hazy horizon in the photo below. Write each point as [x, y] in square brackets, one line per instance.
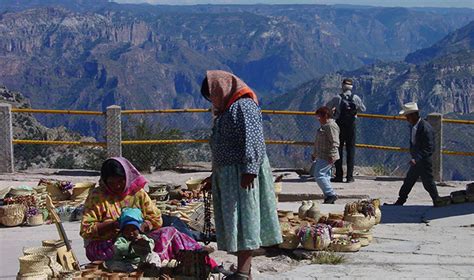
[382, 3]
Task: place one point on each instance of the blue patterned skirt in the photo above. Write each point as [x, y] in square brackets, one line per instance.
[244, 219]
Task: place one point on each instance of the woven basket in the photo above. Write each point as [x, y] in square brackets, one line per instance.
[378, 216]
[339, 236]
[52, 186]
[12, 215]
[360, 222]
[193, 184]
[81, 190]
[351, 247]
[159, 195]
[376, 202]
[50, 252]
[53, 243]
[363, 234]
[319, 242]
[342, 230]
[33, 276]
[33, 264]
[14, 192]
[35, 220]
[290, 241]
[40, 189]
[45, 251]
[364, 242]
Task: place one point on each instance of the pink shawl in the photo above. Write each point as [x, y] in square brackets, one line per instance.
[134, 180]
[225, 88]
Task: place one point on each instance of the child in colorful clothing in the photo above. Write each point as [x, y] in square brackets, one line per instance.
[132, 248]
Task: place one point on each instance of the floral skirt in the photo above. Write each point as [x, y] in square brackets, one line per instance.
[168, 243]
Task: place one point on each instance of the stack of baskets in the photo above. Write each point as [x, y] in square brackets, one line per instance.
[40, 196]
[34, 267]
[51, 267]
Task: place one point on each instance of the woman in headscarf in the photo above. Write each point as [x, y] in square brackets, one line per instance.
[121, 186]
[242, 183]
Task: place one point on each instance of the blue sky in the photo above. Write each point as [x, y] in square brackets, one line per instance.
[386, 3]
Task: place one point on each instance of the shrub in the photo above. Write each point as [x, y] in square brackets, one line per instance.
[145, 157]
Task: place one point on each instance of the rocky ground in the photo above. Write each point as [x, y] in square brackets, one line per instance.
[413, 241]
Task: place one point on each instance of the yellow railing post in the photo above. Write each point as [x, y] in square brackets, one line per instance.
[6, 138]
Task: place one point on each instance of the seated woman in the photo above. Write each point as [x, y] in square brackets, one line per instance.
[121, 186]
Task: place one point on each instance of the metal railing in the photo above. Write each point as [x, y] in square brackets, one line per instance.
[7, 157]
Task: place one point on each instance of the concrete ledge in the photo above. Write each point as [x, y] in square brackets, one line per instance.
[291, 197]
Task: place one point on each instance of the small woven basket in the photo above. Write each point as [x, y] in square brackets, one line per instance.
[14, 192]
[53, 188]
[45, 251]
[350, 247]
[12, 215]
[81, 191]
[193, 184]
[33, 264]
[290, 241]
[35, 220]
[360, 222]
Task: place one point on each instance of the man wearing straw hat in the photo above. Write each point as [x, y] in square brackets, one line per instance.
[421, 151]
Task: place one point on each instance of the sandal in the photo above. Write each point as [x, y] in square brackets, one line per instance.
[238, 276]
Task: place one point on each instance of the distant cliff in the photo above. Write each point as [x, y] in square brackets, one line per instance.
[89, 55]
[26, 127]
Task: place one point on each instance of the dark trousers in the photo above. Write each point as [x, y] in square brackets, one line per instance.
[347, 137]
[423, 169]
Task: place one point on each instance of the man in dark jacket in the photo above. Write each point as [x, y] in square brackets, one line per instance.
[421, 151]
[345, 107]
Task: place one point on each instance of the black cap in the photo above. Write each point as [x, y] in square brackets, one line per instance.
[347, 82]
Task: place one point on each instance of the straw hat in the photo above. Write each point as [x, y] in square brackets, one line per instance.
[408, 108]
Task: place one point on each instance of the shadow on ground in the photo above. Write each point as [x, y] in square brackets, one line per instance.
[74, 172]
[422, 213]
[301, 179]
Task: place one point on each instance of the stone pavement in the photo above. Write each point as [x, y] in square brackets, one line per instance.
[413, 241]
